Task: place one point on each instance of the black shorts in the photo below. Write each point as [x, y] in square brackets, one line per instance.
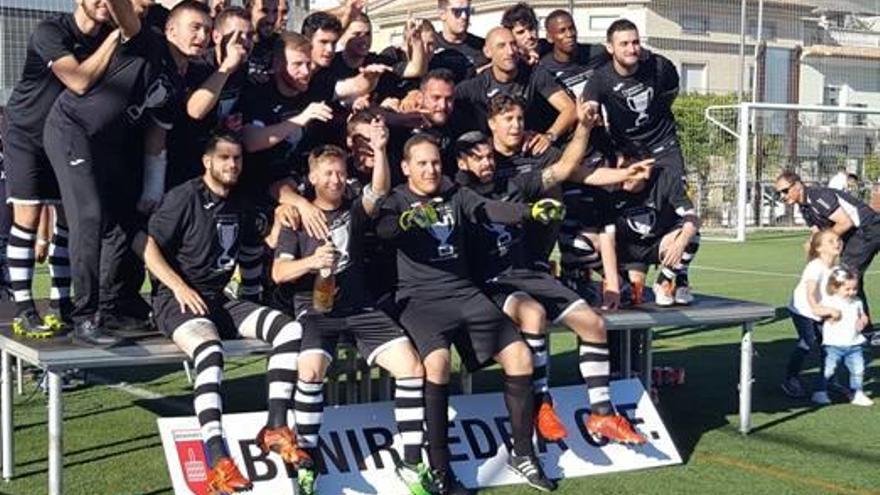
[469, 320]
[638, 255]
[669, 155]
[30, 179]
[557, 299]
[860, 248]
[373, 332]
[225, 314]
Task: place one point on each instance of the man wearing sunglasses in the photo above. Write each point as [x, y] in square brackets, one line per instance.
[457, 49]
[856, 223]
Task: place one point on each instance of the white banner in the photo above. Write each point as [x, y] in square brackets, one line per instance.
[356, 458]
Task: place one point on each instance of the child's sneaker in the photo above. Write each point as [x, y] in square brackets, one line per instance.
[860, 399]
[821, 397]
[793, 388]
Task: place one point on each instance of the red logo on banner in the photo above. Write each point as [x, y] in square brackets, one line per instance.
[193, 463]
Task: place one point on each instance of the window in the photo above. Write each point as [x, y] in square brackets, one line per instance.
[857, 119]
[601, 22]
[769, 29]
[694, 24]
[830, 98]
[693, 78]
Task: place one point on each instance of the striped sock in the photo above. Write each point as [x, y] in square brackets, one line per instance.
[59, 269]
[21, 258]
[284, 335]
[595, 370]
[207, 402]
[308, 412]
[538, 345]
[409, 414]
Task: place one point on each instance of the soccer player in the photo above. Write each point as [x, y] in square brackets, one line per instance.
[458, 50]
[426, 220]
[521, 20]
[856, 223]
[89, 141]
[323, 31]
[197, 235]
[570, 62]
[263, 15]
[656, 224]
[499, 264]
[508, 75]
[637, 89]
[300, 260]
[65, 51]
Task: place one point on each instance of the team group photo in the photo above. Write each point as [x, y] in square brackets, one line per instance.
[438, 246]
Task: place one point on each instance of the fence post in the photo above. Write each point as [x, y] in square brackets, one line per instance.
[742, 168]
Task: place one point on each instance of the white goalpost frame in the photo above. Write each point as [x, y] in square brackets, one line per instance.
[742, 135]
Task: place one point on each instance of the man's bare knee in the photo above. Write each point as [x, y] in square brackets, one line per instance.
[402, 361]
[587, 324]
[193, 333]
[312, 367]
[437, 365]
[515, 359]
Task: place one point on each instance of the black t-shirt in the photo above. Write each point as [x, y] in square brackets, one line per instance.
[822, 202]
[187, 143]
[32, 98]
[260, 59]
[339, 70]
[463, 59]
[574, 75]
[348, 225]
[142, 81]
[638, 107]
[201, 235]
[495, 248]
[156, 18]
[648, 215]
[432, 262]
[533, 85]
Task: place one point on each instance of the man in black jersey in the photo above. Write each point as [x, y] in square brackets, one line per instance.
[509, 75]
[656, 223]
[457, 49]
[66, 51]
[302, 260]
[323, 31]
[425, 219]
[637, 89]
[215, 85]
[89, 138]
[521, 20]
[198, 234]
[263, 14]
[856, 223]
[499, 264]
[570, 62]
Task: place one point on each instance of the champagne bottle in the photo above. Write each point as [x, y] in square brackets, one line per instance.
[324, 290]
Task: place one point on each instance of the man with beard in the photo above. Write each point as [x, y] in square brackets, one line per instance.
[92, 141]
[198, 234]
[520, 19]
[509, 75]
[215, 86]
[66, 51]
[263, 15]
[458, 50]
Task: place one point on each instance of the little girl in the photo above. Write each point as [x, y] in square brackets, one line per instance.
[842, 333]
[807, 313]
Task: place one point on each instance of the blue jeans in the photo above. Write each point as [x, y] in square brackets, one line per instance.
[809, 337]
[853, 359]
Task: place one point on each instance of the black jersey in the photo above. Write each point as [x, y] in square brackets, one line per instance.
[348, 225]
[507, 166]
[156, 18]
[53, 38]
[496, 247]
[463, 59]
[260, 59]
[142, 82]
[638, 107]
[533, 85]
[650, 214]
[339, 70]
[822, 202]
[201, 235]
[187, 143]
[433, 260]
[574, 75]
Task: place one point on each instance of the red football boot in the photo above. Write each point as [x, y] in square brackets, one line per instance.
[282, 441]
[225, 478]
[615, 428]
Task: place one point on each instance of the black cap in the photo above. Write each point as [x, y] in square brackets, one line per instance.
[468, 141]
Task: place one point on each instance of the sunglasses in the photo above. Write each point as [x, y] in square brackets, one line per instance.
[782, 193]
[461, 11]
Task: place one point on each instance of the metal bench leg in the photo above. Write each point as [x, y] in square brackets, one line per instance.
[647, 348]
[186, 369]
[745, 379]
[6, 413]
[384, 385]
[56, 435]
[627, 353]
[467, 381]
[19, 371]
[366, 382]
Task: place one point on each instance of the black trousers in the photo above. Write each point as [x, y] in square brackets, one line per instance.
[858, 252]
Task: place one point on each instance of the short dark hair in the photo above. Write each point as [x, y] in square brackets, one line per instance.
[445, 75]
[552, 16]
[222, 134]
[520, 13]
[187, 5]
[789, 176]
[326, 152]
[365, 116]
[422, 138]
[320, 21]
[230, 12]
[465, 144]
[618, 26]
[504, 103]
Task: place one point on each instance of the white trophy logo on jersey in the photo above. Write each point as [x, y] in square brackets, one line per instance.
[503, 238]
[227, 236]
[156, 95]
[639, 103]
[339, 236]
[442, 231]
[641, 221]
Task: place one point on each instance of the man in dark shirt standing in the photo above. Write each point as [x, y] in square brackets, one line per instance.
[68, 51]
[457, 49]
[426, 220]
[198, 234]
[637, 89]
[856, 223]
[521, 20]
[570, 62]
[263, 14]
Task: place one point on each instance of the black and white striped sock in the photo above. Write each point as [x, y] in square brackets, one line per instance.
[250, 263]
[538, 345]
[595, 369]
[207, 401]
[308, 412]
[284, 335]
[59, 268]
[409, 413]
[681, 270]
[20, 256]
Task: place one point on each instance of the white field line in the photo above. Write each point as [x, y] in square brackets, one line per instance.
[754, 272]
